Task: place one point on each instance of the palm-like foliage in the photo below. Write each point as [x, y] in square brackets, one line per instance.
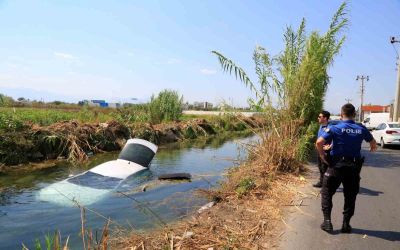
[301, 79]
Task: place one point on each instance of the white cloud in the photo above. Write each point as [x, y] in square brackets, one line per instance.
[64, 56]
[12, 65]
[173, 61]
[208, 71]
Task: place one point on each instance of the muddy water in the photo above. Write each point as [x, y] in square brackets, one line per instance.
[24, 218]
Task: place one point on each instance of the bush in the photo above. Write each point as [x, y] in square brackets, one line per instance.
[6, 101]
[244, 186]
[133, 113]
[167, 106]
[10, 122]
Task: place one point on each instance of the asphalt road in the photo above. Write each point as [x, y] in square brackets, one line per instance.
[376, 223]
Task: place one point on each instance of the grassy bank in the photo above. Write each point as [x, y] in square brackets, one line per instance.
[74, 140]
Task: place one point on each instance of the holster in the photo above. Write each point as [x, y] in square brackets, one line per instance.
[359, 163]
[352, 163]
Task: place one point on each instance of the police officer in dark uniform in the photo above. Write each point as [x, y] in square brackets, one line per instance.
[323, 119]
[344, 165]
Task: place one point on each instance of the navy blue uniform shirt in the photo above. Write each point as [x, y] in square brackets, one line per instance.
[321, 130]
[346, 137]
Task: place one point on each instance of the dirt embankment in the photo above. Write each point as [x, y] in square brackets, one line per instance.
[74, 141]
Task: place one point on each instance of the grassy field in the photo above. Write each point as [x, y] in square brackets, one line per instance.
[16, 118]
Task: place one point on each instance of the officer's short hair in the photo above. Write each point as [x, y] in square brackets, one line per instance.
[349, 110]
[325, 114]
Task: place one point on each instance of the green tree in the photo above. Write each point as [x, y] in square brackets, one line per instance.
[167, 106]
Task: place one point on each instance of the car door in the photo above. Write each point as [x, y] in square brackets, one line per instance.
[382, 131]
[377, 133]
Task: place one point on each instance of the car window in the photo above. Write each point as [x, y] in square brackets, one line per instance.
[394, 125]
[379, 127]
[383, 126]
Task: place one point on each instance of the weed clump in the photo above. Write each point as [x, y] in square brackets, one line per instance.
[244, 186]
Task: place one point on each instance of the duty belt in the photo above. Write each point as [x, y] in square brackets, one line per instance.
[353, 159]
[346, 158]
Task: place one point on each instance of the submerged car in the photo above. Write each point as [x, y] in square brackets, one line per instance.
[94, 184]
[387, 133]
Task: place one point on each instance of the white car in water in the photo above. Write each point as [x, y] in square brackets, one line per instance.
[387, 133]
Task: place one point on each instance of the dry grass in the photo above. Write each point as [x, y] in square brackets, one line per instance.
[251, 222]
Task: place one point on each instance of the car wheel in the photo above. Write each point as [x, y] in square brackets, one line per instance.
[383, 143]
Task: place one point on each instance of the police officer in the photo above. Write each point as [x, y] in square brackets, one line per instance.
[323, 119]
[344, 165]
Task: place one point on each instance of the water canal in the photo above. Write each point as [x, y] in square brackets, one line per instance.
[24, 218]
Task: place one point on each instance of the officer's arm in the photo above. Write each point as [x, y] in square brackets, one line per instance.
[320, 148]
[370, 139]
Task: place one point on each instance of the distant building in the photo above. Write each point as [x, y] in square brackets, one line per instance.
[99, 103]
[114, 105]
[202, 105]
[368, 109]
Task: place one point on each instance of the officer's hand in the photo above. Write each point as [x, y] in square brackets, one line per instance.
[323, 159]
[372, 146]
[327, 147]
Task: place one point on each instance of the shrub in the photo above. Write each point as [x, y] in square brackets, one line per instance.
[167, 106]
[6, 101]
[244, 186]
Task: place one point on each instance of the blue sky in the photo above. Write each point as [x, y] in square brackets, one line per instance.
[117, 50]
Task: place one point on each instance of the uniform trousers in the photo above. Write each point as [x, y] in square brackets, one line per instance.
[349, 176]
[322, 166]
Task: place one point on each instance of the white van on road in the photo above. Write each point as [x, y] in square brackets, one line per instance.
[374, 119]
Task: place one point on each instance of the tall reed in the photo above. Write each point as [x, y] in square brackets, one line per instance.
[293, 83]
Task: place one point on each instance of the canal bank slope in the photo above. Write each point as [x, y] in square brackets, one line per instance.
[75, 141]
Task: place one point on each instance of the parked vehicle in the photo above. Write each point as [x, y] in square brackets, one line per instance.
[387, 133]
[374, 119]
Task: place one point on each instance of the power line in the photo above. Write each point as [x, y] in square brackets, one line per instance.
[348, 100]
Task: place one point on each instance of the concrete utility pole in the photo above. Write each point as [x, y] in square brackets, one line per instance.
[362, 89]
[396, 106]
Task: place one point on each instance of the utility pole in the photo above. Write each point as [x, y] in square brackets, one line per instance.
[348, 100]
[396, 106]
[362, 89]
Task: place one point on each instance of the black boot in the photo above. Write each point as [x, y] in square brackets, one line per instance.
[317, 185]
[327, 226]
[346, 228]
